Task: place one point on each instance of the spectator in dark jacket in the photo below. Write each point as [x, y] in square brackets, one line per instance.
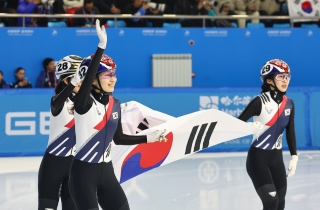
[31, 7]
[21, 81]
[27, 7]
[11, 7]
[107, 7]
[138, 8]
[3, 83]
[195, 7]
[47, 76]
[87, 8]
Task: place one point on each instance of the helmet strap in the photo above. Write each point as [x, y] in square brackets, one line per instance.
[277, 93]
[102, 92]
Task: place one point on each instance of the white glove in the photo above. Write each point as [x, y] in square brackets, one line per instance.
[123, 107]
[256, 124]
[156, 136]
[292, 165]
[102, 34]
[79, 76]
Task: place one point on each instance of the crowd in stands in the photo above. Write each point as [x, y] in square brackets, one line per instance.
[138, 8]
[45, 79]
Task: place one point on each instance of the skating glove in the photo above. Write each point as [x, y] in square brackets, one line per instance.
[79, 76]
[292, 165]
[156, 136]
[102, 34]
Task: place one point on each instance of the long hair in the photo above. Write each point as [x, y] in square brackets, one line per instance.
[265, 87]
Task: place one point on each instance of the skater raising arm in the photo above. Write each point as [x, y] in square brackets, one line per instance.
[98, 122]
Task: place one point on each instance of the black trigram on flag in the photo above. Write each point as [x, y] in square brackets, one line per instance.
[198, 138]
[142, 126]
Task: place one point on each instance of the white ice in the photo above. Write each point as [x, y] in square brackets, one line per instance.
[206, 181]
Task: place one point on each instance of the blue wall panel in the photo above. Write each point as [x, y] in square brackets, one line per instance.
[221, 57]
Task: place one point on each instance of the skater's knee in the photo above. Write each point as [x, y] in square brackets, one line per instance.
[268, 196]
[47, 204]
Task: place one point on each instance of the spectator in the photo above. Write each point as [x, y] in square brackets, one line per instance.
[143, 7]
[30, 7]
[57, 7]
[47, 77]
[88, 8]
[10, 7]
[185, 7]
[21, 81]
[71, 4]
[204, 8]
[26, 7]
[3, 84]
[158, 7]
[107, 7]
[272, 7]
[225, 7]
[195, 7]
[136, 8]
[121, 4]
[248, 7]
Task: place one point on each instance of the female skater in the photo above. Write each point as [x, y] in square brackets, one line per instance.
[54, 169]
[275, 111]
[98, 122]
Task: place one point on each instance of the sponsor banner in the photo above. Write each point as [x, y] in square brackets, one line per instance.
[282, 33]
[154, 32]
[24, 114]
[20, 32]
[220, 57]
[216, 33]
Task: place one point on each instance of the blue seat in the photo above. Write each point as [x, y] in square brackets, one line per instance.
[234, 25]
[281, 25]
[149, 24]
[309, 26]
[284, 8]
[171, 25]
[57, 24]
[255, 25]
[118, 23]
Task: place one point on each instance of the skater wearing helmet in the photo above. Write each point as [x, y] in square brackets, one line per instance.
[273, 110]
[54, 169]
[98, 122]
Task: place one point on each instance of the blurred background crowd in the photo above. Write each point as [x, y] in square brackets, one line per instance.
[139, 8]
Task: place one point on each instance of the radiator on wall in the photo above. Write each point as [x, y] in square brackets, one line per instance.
[171, 70]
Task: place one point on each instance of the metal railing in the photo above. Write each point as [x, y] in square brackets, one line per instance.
[165, 16]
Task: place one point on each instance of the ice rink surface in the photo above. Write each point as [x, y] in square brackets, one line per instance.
[206, 181]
